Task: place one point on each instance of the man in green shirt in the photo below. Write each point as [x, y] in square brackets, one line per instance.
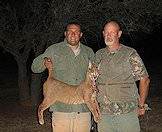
[119, 99]
[70, 60]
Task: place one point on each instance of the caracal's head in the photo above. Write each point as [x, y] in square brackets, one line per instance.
[93, 71]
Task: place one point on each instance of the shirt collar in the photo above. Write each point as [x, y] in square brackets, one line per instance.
[76, 51]
[114, 51]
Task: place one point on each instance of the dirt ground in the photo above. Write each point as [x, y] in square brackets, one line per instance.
[17, 118]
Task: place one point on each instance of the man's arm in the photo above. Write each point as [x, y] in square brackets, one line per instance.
[143, 92]
[140, 73]
[38, 63]
[91, 55]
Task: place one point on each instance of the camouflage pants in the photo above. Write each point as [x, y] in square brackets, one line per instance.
[119, 123]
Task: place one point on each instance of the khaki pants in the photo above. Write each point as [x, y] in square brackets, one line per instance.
[71, 122]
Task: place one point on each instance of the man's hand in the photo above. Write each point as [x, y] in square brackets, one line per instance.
[141, 111]
[48, 63]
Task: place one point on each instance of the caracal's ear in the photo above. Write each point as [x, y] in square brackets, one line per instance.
[99, 65]
[90, 65]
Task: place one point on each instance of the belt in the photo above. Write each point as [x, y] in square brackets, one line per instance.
[116, 83]
[118, 108]
[70, 115]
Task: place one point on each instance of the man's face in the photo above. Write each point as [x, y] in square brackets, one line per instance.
[111, 34]
[73, 34]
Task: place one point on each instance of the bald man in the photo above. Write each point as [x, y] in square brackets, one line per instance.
[119, 99]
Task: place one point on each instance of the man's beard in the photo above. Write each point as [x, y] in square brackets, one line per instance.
[109, 42]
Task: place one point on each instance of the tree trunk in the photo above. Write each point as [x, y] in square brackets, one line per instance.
[23, 83]
[36, 90]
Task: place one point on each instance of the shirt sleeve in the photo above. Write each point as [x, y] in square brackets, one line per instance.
[98, 57]
[91, 55]
[37, 65]
[138, 68]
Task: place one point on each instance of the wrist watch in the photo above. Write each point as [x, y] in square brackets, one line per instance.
[145, 107]
[141, 106]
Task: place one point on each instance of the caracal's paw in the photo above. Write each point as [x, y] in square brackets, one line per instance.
[97, 118]
[41, 121]
[40, 118]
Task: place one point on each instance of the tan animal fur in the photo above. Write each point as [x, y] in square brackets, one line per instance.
[55, 90]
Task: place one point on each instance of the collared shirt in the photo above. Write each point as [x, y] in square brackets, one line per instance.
[67, 68]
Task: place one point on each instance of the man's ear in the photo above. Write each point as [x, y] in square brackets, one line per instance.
[119, 33]
[65, 33]
[103, 32]
[81, 34]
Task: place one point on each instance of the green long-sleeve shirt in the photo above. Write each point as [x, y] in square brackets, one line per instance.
[67, 68]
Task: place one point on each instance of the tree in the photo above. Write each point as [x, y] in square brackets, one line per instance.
[17, 43]
[19, 31]
[31, 26]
